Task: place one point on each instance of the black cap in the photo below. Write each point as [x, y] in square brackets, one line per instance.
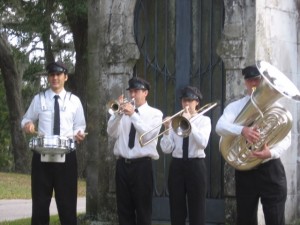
[250, 72]
[56, 67]
[138, 83]
[191, 93]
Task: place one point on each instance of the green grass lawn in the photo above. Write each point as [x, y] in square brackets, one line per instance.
[18, 186]
[54, 220]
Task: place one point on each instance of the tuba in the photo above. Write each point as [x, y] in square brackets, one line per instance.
[273, 121]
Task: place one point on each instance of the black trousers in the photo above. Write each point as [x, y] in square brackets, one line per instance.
[267, 182]
[134, 189]
[61, 178]
[187, 187]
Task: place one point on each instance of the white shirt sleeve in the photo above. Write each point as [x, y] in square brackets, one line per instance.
[225, 125]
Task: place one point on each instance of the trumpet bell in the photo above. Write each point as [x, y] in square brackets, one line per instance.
[113, 106]
[181, 126]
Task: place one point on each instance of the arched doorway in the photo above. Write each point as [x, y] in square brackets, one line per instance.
[178, 42]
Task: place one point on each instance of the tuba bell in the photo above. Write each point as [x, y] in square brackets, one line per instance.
[274, 121]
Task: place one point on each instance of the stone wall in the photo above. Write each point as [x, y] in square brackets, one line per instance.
[276, 42]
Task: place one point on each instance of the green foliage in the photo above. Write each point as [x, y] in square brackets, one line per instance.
[32, 79]
[77, 10]
[33, 70]
[6, 159]
[297, 222]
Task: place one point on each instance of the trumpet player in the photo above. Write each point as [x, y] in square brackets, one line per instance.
[187, 179]
[134, 186]
[267, 181]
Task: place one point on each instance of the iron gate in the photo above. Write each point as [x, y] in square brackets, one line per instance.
[178, 41]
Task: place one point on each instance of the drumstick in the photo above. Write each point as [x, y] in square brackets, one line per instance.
[37, 133]
[75, 135]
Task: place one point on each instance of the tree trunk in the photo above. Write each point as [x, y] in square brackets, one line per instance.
[12, 82]
[78, 22]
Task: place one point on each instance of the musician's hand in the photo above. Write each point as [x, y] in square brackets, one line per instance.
[128, 108]
[29, 128]
[79, 137]
[251, 134]
[265, 153]
[167, 123]
[121, 99]
[186, 114]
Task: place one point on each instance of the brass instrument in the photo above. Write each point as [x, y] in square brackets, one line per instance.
[180, 124]
[273, 121]
[115, 106]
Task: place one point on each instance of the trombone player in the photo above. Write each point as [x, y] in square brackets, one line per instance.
[267, 181]
[134, 185]
[187, 179]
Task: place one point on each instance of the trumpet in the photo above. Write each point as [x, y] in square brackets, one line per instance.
[180, 125]
[115, 107]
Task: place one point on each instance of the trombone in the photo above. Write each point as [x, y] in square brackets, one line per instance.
[180, 125]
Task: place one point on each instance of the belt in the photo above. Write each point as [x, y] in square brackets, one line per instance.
[188, 159]
[129, 161]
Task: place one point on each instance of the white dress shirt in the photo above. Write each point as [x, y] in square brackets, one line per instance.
[198, 139]
[226, 126]
[146, 119]
[72, 117]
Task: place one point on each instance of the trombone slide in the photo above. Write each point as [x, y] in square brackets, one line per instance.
[180, 125]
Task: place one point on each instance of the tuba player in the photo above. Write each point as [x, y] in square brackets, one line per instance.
[267, 181]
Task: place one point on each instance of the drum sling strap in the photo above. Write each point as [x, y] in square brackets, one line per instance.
[43, 100]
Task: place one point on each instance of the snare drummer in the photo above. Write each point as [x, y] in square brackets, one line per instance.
[52, 173]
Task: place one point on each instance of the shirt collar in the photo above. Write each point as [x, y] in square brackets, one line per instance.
[61, 94]
[143, 107]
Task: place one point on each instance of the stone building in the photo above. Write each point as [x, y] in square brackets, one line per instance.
[177, 42]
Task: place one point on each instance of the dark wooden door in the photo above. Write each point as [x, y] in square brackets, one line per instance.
[178, 41]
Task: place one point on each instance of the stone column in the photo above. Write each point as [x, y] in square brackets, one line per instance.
[112, 55]
[237, 50]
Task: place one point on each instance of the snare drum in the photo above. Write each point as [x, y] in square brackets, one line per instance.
[52, 144]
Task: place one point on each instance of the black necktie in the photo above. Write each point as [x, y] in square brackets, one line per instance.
[185, 148]
[132, 135]
[56, 127]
